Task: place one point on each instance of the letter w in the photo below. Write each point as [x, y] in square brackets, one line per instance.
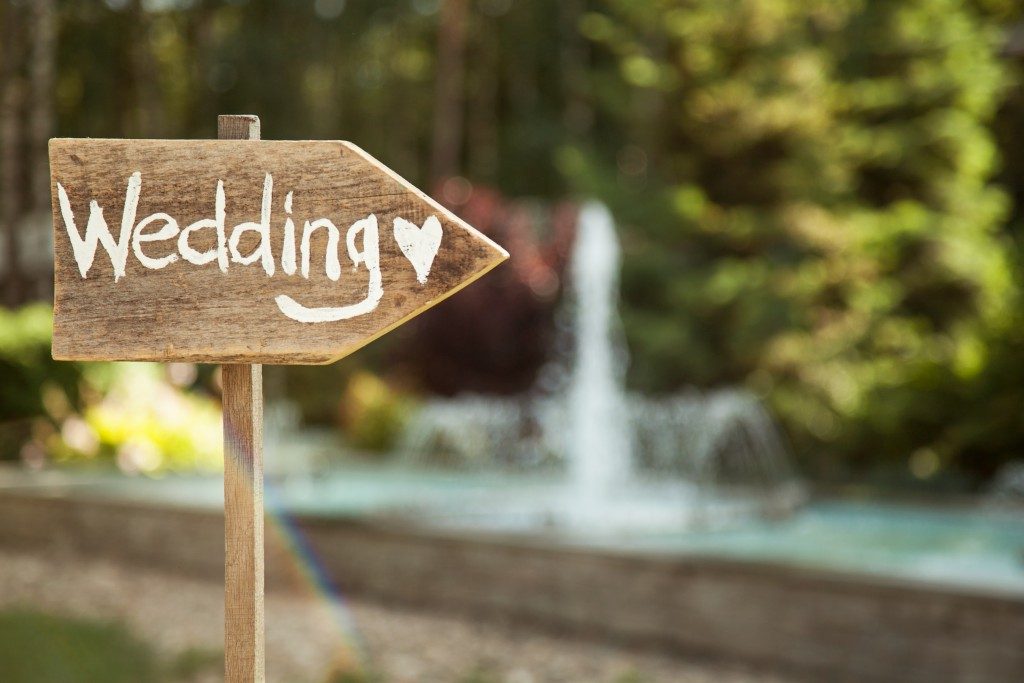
[96, 229]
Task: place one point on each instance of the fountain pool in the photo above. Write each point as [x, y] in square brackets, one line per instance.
[979, 547]
[837, 590]
[631, 463]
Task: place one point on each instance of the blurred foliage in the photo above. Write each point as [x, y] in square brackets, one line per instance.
[26, 365]
[808, 193]
[494, 337]
[820, 199]
[34, 385]
[354, 70]
[373, 414]
[144, 424]
[127, 414]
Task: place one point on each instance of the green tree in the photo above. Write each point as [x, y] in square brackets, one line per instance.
[807, 191]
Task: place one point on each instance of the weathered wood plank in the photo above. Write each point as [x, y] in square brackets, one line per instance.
[224, 311]
[242, 394]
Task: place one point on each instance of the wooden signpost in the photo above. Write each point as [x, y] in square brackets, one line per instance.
[243, 252]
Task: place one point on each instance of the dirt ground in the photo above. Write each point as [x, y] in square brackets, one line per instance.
[309, 636]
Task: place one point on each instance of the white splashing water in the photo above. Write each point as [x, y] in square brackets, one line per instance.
[599, 448]
[633, 462]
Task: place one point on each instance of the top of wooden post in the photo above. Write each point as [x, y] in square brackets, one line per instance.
[238, 127]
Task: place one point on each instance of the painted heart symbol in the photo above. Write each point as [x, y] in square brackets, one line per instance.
[419, 245]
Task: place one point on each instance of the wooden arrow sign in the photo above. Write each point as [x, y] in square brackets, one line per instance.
[241, 251]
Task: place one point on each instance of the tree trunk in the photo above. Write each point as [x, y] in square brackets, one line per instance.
[449, 96]
[483, 125]
[41, 71]
[578, 113]
[12, 88]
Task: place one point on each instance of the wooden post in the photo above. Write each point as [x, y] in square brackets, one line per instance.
[243, 494]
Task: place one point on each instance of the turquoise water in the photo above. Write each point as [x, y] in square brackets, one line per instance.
[976, 546]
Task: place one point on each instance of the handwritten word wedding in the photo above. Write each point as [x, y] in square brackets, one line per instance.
[419, 244]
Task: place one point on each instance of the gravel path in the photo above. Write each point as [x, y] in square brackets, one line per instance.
[305, 641]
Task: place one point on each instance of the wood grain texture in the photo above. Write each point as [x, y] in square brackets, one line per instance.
[238, 127]
[199, 313]
[243, 523]
[242, 395]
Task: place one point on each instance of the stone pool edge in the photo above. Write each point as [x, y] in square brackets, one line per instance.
[826, 624]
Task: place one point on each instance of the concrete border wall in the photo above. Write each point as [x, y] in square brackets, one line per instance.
[824, 625]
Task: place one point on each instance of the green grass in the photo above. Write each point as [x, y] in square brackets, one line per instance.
[480, 674]
[192, 662]
[631, 677]
[354, 677]
[41, 648]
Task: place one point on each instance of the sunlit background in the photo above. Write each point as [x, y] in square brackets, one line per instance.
[745, 404]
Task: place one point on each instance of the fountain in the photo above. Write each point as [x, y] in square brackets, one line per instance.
[632, 462]
[599, 449]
